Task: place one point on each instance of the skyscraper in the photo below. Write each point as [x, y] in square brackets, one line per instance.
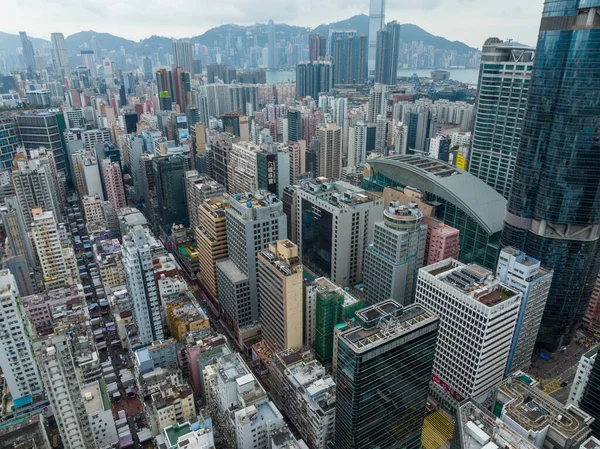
[504, 79]
[330, 151]
[271, 45]
[182, 55]
[317, 47]
[28, 53]
[170, 189]
[383, 369]
[394, 258]
[16, 358]
[44, 129]
[294, 117]
[376, 23]
[313, 78]
[113, 183]
[8, 142]
[386, 59]
[350, 60]
[141, 284]
[553, 211]
[59, 54]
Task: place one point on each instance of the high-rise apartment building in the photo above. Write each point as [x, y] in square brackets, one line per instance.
[478, 315]
[443, 241]
[525, 274]
[335, 223]
[396, 254]
[44, 130]
[350, 60]
[182, 55]
[211, 238]
[16, 358]
[113, 183]
[553, 211]
[57, 369]
[317, 47]
[280, 290]
[93, 137]
[357, 145]
[387, 53]
[391, 349]
[60, 59]
[313, 78]
[330, 151]
[376, 23]
[92, 211]
[17, 231]
[141, 284]
[58, 266]
[253, 221]
[582, 376]
[505, 77]
[198, 188]
[28, 53]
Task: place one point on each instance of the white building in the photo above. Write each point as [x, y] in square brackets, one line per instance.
[16, 360]
[478, 316]
[99, 413]
[525, 274]
[93, 137]
[141, 285]
[584, 370]
[335, 223]
[57, 369]
[357, 145]
[242, 170]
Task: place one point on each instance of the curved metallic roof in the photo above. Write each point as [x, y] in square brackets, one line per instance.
[465, 191]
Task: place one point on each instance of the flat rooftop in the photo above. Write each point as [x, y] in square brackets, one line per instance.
[231, 270]
[92, 398]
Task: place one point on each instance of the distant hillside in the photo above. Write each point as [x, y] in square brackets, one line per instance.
[10, 42]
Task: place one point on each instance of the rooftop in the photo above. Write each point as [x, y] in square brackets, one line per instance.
[467, 192]
[92, 398]
[176, 431]
[337, 193]
[327, 288]
[232, 271]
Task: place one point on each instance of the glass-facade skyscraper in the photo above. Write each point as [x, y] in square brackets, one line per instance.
[504, 78]
[554, 206]
[384, 366]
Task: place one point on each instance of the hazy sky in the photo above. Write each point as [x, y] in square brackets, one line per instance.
[470, 21]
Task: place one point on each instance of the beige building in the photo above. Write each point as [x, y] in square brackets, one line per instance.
[209, 373]
[57, 270]
[199, 188]
[175, 405]
[330, 151]
[92, 210]
[211, 237]
[280, 291]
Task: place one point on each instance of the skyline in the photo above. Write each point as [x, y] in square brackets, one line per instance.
[509, 19]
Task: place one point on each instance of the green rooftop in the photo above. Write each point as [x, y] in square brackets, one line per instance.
[104, 393]
[176, 431]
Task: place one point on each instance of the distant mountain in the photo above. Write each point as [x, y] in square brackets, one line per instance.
[87, 39]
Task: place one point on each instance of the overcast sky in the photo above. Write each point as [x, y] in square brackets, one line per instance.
[470, 21]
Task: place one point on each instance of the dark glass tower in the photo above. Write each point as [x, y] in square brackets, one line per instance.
[383, 372]
[590, 399]
[554, 206]
[386, 60]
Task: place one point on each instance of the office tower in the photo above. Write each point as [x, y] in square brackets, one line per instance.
[478, 315]
[271, 45]
[57, 369]
[280, 290]
[231, 123]
[16, 231]
[391, 349]
[317, 47]
[376, 23]
[113, 183]
[388, 48]
[590, 398]
[312, 78]
[242, 169]
[553, 211]
[43, 130]
[504, 80]
[211, 237]
[330, 151]
[422, 124]
[253, 221]
[335, 221]
[93, 137]
[182, 55]
[59, 268]
[16, 359]
[350, 60]
[198, 188]
[8, 142]
[524, 274]
[181, 93]
[220, 149]
[273, 168]
[141, 284]
[443, 241]
[394, 258]
[59, 54]
[170, 189]
[294, 117]
[34, 186]
[28, 54]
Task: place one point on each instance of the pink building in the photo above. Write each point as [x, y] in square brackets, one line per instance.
[113, 181]
[43, 309]
[443, 241]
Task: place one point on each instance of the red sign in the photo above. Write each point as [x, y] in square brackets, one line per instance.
[447, 387]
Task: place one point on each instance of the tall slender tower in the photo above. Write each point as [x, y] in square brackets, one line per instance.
[554, 206]
[386, 55]
[182, 55]
[59, 54]
[28, 54]
[501, 104]
[376, 22]
[271, 44]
